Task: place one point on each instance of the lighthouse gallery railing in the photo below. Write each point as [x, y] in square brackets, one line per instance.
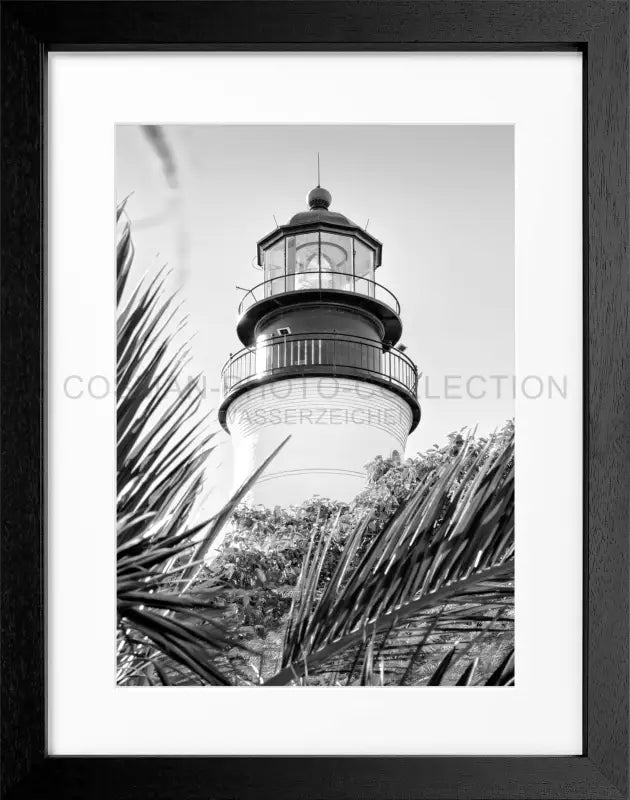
[321, 280]
[305, 354]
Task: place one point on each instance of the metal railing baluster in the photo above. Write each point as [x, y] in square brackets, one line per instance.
[334, 350]
[338, 280]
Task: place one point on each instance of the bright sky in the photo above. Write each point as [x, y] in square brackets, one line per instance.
[439, 198]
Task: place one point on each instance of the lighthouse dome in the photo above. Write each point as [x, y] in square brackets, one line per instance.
[319, 200]
[290, 248]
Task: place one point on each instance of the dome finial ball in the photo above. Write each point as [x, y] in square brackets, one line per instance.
[319, 198]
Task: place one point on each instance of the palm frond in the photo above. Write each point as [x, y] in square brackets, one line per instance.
[166, 633]
[449, 547]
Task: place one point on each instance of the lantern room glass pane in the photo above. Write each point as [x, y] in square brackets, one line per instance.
[336, 252]
[336, 258]
[307, 280]
[363, 268]
[303, 256]
[274, 269]
[320, 260]
[303, 253]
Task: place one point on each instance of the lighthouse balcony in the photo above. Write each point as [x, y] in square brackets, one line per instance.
[317, 287]
[321, 281]
[330, 355]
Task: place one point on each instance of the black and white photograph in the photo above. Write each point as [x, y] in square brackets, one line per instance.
[315, 379]
[315, 405]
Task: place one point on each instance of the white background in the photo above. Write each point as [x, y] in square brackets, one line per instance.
[541, 95]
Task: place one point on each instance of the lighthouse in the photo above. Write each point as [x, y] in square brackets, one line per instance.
[320, 362]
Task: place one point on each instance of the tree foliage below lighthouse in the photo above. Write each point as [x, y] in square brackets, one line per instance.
[283, 569]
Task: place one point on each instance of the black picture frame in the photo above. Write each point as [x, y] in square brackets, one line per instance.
[597, 28]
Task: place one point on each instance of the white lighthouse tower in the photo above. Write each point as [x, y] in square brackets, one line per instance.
[320, 363]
